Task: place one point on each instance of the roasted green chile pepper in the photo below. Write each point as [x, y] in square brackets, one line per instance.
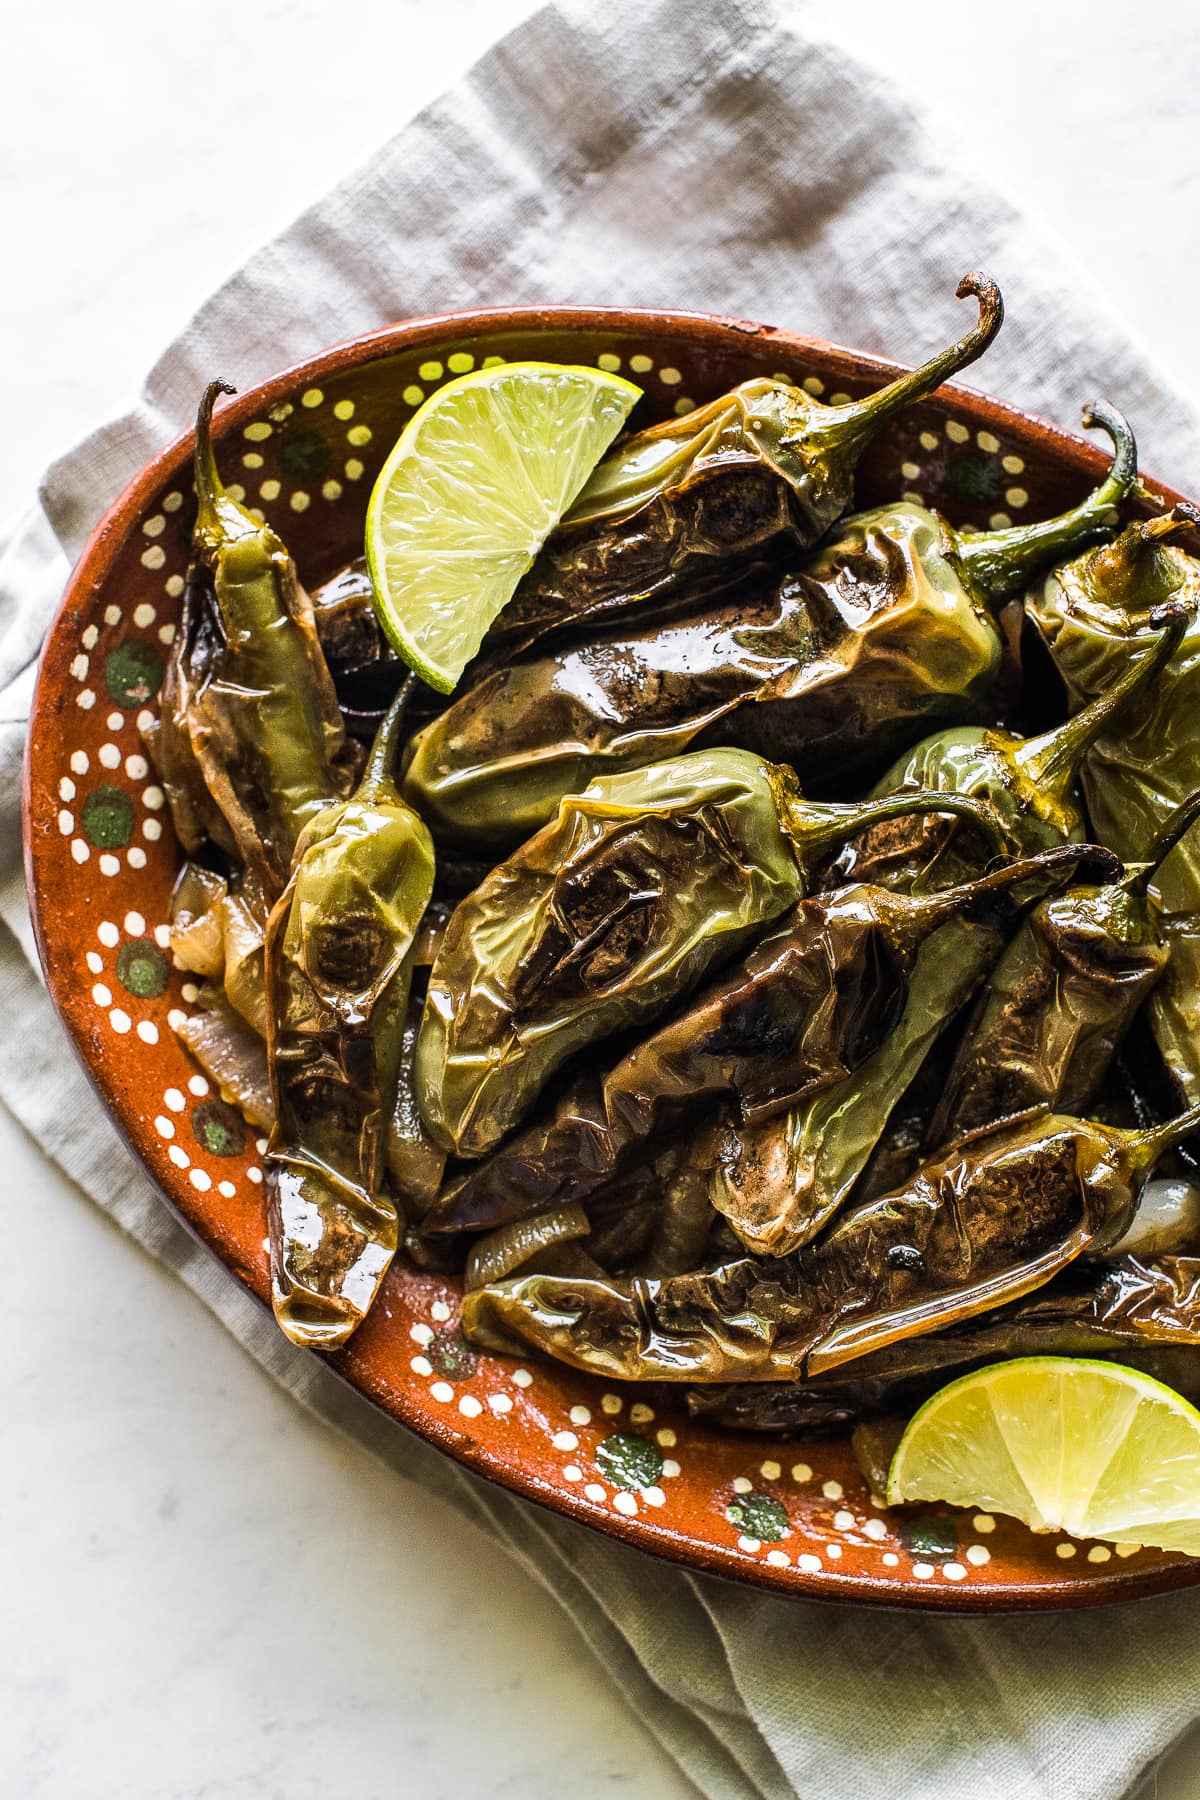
[605, 916]
[1142, 1312]
[1031, 782]
[992, 1220]
[779, 1182]
[884, 630]
[339, 962]
[251, 745]
[799, 1014]
[1089, 612]
[671, 505]
[1061, 998]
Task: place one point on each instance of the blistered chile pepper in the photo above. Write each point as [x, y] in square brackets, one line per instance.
[1090, 613]
[806, 1007]
[994, 1219]
[640, 885]
[1061, 998]
[885, 630]
[251, 745]
[339, 963]
[673, 506]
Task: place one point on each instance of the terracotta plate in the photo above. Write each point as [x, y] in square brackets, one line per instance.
[793, 1517]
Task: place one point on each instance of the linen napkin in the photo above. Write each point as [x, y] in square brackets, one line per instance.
[712, 154]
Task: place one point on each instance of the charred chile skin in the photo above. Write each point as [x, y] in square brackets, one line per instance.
[339, 964]
[992, 1220]
[1061, 998]
[1090, 613]
[675, 503]
[251, 745]
[617, 908]
[880, 633]
[806, 1007]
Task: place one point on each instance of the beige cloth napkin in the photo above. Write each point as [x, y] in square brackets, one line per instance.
[708, 154]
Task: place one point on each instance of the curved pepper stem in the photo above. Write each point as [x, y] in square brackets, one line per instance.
[1000, 563]
[816, 828]
[845, 431]
[209, 487]
[1131, 564]
[377, 779]
[1052, 760]
[1164, 841]
[1145, 1148]
[932, 908]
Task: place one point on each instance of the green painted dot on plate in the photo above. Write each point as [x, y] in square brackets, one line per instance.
[972, 476]
[608, 361]
[142, 968]
[450, 1353]
[304, 455]
[108, 817]
[430, 371]
[929, 1536]
[218, 1128]
[759, 1516]
[413, 395]
[491, 362]
[133, 673]
[629, 1460]
[460, 362]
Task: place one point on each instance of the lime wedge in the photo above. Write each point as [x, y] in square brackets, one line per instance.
[1064, 1443]
[478, 479]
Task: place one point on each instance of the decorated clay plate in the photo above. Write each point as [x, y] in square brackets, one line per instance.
[791, 1516]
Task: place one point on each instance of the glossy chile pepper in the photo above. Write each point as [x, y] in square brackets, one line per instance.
[988, 1222]
[1061, 998]
[339, 962]
[885, 630]
[1031, 782]
[779, 1181]
[1142, 1312]
[251, 745]
[605, 916]
[1090, 612]
[675, 503]
[804, 1009]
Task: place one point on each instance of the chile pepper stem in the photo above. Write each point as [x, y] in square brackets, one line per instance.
[209, 487]
[999, 563]
[377, 775]
[1148, 1147]
[1052, 760]
[817, 828]
[932, 908]
[1163, 842]
[845, 430]
[1127, 565]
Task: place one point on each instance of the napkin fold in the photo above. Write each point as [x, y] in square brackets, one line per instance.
[714, 154]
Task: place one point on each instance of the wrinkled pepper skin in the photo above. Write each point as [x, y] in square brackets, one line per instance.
[676, 504]
[878, 634]
[1143, 1313]
[1029, 782]
[805, 1008]
[339, 962]
[1089, 613]
[251, 746]
[994, 1219]
[638, 887]
[1061, 999]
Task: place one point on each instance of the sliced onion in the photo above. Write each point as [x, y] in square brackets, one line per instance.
[197, 921]
[234, 1058]
[506, 1249]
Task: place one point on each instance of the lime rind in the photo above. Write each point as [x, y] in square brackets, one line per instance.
[477, 480]
[1072, 1444]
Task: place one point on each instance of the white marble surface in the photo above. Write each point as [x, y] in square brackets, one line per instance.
[170, 1525]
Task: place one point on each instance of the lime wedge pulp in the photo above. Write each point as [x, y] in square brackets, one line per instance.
[478, 479]
[1064, 1443]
